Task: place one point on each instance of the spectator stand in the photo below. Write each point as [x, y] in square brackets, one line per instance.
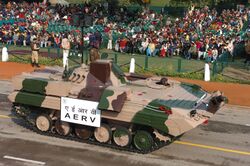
[147, 25]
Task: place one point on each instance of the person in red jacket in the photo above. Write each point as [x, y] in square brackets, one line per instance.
[123, 43]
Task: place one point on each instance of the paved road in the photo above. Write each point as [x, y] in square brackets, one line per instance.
[5, 87]
[225, 141]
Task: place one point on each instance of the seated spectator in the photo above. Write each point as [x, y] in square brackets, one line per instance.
[42, 41]
[150, 49]
[185, 50]
[214, 54]
[51, 41]
[130, 46]
[122, 45]
[57, 41]
[192, 51]
[144, 45]
[9, 39]
[178, 48]
[170, 51]
[20, 39]
[15, 38]
[117, 45]
[209, 55]
[202, 51]
[163, 50]
[157, 49]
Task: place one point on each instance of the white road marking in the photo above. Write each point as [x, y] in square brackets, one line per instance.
[248, 125]
[5, 93]
[24, 160]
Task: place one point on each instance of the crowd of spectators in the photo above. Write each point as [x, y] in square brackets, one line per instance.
[200, 33]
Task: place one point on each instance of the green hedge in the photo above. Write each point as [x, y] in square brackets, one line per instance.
[42, 60]
[159, 72]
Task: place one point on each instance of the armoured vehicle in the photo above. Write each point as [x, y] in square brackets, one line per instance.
[99, 104]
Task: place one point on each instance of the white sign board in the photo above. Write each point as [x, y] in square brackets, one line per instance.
[80, 112]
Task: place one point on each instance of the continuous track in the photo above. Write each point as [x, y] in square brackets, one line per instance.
[29, 125]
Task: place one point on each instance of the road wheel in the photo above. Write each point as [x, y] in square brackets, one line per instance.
[83, 132]
[62, 128]
[43, 123]
[143, 140]
[103, 134]
[122, 137]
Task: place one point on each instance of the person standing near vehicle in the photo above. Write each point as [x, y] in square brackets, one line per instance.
[66, 47]
[109, 47]
[35, 52]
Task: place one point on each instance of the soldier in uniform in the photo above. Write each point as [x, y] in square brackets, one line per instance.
[94, 54]
[35, 51]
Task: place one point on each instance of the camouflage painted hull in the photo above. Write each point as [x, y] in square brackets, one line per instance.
[170, 109]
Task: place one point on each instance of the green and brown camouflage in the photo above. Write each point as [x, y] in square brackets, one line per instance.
[171, 109]
[112, 99]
